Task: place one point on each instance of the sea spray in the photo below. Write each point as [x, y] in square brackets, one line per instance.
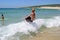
[24, 27]
[11, 29]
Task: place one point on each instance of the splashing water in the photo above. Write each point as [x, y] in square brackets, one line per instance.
[25, 27]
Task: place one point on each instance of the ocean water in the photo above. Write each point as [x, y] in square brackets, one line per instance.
[13, 15]
[14, 22]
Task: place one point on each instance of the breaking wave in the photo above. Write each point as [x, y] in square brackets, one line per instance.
[25, 27]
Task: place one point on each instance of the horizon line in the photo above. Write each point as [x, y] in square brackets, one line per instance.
[29, 6]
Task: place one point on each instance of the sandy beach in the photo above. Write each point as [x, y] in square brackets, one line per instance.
[49, 7]
[46, 34]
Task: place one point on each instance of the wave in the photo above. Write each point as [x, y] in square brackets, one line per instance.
[25, 27]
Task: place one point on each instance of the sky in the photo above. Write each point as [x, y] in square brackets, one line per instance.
[24, 3]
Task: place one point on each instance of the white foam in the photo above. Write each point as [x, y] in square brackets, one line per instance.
[53, 22]
[25, 27]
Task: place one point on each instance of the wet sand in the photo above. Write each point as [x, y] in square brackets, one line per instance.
[46, 34]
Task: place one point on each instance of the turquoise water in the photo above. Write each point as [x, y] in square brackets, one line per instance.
[15, 27]
[14, 15]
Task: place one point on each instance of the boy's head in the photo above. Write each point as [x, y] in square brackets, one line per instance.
[33, 10]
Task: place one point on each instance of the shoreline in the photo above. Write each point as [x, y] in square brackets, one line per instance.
[49, 7]
[46, 34]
